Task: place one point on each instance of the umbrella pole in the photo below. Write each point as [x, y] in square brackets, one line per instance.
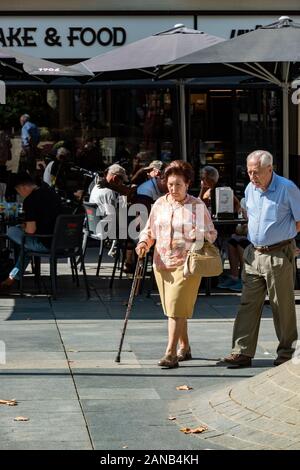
[182, 120]
[285, 120]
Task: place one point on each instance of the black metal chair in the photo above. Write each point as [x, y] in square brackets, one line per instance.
[120, 255]
[93, 230]
[95, 225]
[66, 243]
[122, 245]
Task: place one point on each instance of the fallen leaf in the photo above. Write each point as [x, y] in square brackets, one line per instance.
[21, 418]
[125, 447]
[184, 387]
[172, 418]
[195, 430]
[12, 402]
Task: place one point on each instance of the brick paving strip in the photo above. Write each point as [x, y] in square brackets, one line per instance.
[262, 412]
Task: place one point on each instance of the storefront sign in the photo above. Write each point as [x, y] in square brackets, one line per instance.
[83, 37]
[229, 26]
[25, 37]
[80, 37]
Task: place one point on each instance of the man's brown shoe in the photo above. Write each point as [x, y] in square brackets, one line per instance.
[6, 285]
[238, 360]
[168, 361]
[280, 360]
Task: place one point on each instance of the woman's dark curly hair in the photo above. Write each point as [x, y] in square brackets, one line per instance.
[180, 168]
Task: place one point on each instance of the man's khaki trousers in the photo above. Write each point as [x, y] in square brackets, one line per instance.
[271, 274]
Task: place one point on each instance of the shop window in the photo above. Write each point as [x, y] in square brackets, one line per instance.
[224, 126]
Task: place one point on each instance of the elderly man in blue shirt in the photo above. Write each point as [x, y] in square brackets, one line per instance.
[273, 208]
[30, 137]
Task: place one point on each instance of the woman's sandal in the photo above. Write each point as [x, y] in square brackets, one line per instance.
[183, 355]
[168, 361]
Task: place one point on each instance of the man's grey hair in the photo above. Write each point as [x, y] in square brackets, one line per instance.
[262, 156]
[62, 151]
[26, 117]
[211, 172]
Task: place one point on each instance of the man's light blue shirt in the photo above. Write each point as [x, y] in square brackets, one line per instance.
[272, 214]
[30, 132]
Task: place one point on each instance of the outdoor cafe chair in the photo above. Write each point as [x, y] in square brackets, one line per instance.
[92, 230]
[66, 243]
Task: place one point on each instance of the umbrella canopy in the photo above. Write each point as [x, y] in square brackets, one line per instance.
[277, 42]
[38, 67]
[270, 53]
[145, 55]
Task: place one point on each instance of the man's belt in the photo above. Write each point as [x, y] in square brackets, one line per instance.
[269, 248]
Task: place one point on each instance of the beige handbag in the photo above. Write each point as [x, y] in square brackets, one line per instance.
[205, 261]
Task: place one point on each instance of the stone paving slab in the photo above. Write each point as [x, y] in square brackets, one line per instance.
[102, 360]
[34, 360]
[25, 337]
[37, 384]
[145, 431]
[38, 444]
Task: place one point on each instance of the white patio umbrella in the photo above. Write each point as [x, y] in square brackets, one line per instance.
[38, 67]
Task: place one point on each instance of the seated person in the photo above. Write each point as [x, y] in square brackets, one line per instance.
[149, 171]
[108, 193]
[154, 188]
[41, 206]
[235, 249]
[55, 170]
[105, 192]
[209, 182]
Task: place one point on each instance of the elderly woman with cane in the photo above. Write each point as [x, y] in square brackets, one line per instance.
[175, 222]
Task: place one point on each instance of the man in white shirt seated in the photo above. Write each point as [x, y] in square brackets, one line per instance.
[105, 194]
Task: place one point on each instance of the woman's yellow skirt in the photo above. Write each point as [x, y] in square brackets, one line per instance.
[178, 294]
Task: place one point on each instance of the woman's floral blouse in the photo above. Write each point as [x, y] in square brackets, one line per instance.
[174, 226]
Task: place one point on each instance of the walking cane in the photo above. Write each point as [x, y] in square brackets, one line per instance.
[138, 274]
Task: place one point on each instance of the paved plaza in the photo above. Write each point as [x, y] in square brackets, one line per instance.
[60, 369]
